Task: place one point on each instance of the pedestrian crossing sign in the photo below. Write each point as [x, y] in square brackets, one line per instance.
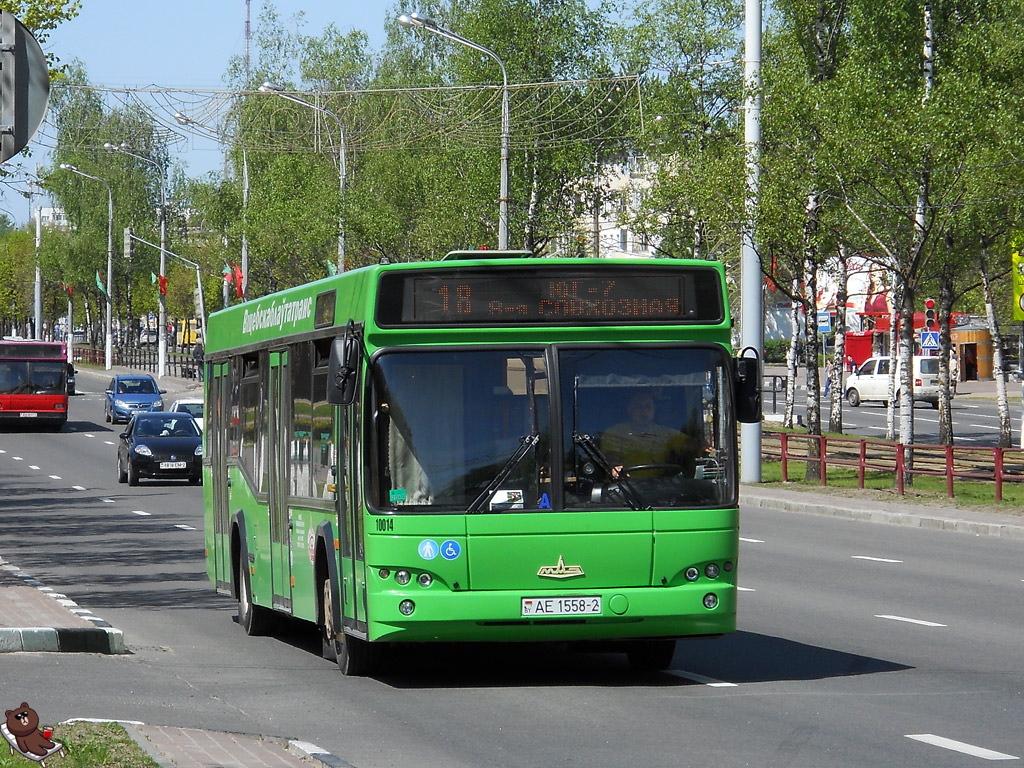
[929, 340]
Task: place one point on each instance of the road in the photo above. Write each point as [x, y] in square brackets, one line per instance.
[975, 419]
[860, 644]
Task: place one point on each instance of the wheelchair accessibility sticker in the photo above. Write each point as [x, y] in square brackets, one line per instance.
[450, 550]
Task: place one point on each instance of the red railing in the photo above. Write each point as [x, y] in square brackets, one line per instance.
[998, 465]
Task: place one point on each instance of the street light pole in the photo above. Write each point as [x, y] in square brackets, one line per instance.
[109, 345]
[416, 21]
[161, 355]
[269, 87]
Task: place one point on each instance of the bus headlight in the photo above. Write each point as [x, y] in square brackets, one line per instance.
[407, 607]
[710, 600]
[403, 577]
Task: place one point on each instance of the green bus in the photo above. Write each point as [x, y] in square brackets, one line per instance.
[447, 451]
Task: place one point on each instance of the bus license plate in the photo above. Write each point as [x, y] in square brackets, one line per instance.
[172, 465]
[561, 606]
[28, 415]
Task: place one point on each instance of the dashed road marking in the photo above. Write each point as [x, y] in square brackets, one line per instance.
[107, 501]
[184, 527]
[745, 589]
[960, 746]
[78, 487]
[32, 466]
[55, 477]
[140, 512]
[920, 622]
[752, 541]
[875, 559]
[695, 678]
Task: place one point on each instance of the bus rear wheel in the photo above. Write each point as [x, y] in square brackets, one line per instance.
[651, 655]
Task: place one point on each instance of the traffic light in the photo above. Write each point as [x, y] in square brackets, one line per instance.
[930, 322]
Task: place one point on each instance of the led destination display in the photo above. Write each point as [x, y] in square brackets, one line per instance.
[465, 297]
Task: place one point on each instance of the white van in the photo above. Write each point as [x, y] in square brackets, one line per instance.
[870, 382]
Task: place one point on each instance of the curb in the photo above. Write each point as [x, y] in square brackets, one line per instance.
[917, 519]
[102, 637]
[66, 640]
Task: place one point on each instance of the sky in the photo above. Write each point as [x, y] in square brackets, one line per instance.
[183, 44]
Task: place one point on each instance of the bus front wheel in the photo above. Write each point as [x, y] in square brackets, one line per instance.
[651, 655]
[255, 619]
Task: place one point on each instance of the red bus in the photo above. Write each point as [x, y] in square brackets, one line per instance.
[33, 381]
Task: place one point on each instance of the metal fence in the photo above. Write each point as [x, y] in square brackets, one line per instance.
[179, 364]
[996, 465]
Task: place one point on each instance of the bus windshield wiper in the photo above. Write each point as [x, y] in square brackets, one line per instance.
[629, 491]
[525, 444]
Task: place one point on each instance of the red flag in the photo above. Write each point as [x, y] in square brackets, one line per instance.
[163, 285]
[238, 280]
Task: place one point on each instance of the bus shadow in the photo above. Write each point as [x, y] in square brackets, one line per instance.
[740, 658]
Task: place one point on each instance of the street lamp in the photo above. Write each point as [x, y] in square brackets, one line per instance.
[124, 149]
[109, 346]
[415, 21]
[269, 87]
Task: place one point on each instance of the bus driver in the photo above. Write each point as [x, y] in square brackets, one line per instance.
[640, 442]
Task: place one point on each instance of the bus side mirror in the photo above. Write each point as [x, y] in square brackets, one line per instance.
[748, 388]
[343, 373]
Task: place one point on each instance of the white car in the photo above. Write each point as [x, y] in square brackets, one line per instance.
[193, 405]
[870, 382]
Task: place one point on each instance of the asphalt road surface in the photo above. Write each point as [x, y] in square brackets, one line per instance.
[859, 645]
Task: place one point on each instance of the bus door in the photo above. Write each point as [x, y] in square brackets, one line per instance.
[277, 495]
[218, 425]
[350, 518]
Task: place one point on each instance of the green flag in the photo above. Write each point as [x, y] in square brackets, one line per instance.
[99, 283]
[332, 268]
[152, 277]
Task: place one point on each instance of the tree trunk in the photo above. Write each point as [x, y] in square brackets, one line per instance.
[838, 367]
[1005, 430]
[792, 365]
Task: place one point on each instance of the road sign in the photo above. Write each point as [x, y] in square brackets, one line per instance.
[824, 322]
[929, 340]
[24, 86]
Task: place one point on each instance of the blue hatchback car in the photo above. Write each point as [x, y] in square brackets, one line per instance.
[130, 394]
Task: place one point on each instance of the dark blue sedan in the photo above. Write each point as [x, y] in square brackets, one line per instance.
[165, 446]
[129, 394]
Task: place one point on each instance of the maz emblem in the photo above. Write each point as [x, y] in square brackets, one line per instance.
[560, 571]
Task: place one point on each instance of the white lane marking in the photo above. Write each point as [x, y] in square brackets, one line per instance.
[140, 512]
[17, 458]
[752, 541]
[107, 501]
[32, 466]
[874, 559]
[695, 678]
[184, 527]
[109, 442]
[78, 487]
[88, 435]
[980, 426]
[921, 622]
[2, 451]
[968, 439]
[55, 477]
[960, 746]
[745, 589]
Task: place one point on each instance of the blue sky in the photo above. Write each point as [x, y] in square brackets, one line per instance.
[182, 44]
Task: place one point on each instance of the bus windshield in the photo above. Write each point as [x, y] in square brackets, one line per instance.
[32, 377]
[471, 430]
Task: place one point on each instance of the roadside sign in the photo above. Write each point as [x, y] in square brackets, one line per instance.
[1017, 274]
[24, 86]
[824, 322]
[929, 340]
